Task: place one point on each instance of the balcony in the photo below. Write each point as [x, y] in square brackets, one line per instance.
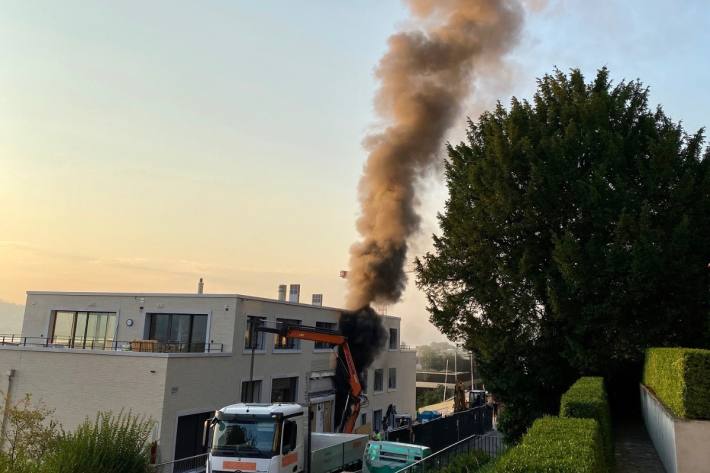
[141, 346]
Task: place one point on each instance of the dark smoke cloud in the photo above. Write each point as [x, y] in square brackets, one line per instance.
[366, 337]
[425, 77]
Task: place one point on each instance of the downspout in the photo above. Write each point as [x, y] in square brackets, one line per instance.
[10, 375]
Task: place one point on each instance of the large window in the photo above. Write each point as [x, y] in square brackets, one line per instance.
[251, 391]
[284, 343]
[178, 332]
[252, 324]
[392, 379]
[328, 326]
[394, 339]
[83, 329]
[379, 381]
[284, 389]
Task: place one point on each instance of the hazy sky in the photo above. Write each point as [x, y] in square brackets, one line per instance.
[146, 144]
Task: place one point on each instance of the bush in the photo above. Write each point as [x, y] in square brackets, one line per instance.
[108, 445]
[557, 445]
[680, 378]
[587, 399]
[467, 462]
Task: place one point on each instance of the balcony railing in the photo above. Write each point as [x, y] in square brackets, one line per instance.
[143, 346]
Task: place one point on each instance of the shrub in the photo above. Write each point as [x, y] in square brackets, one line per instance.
[557, 445]
[111, 444]
[467, 462]
[587, 399]
[680, 378]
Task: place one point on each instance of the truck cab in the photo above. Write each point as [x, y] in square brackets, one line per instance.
[256, 438]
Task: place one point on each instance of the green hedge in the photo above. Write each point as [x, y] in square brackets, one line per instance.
[557, 445]
[587, 399]
[680, 378]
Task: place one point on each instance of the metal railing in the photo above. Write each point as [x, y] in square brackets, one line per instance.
[196, 464]
[491, 445]
[148, 346]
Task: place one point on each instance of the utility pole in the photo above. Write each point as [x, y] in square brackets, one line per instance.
[471, 360]
[446, 378]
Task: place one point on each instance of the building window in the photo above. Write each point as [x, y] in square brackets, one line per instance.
[363, 419]
[327, 326]
[252, 324]
[394, 339]
[178, 332]
[83, 329]
[284, 389]
[379, 381]
[392, 379]
[363, 381]
[377, 419]
[284, 343]
[251, 391]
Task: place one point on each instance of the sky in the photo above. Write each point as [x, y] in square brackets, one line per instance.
[144, 145]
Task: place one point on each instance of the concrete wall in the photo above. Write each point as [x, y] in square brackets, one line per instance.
[681, 444]
[80, 384]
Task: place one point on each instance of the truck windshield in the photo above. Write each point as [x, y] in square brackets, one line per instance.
[248, 436]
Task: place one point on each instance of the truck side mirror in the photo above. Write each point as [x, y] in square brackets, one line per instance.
[205, 430]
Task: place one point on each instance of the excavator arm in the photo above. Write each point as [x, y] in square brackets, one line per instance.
[315, 334]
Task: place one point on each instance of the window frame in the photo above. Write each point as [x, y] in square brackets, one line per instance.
[323, 346]
[295, 388]
[396, 339]
[71, 342]
[280, 347]
[260, 336]
[151, 316]
[382, 381]
[256, 382]
[390, 378]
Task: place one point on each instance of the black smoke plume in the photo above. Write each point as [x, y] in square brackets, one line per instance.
[366, 337]
[425, 77]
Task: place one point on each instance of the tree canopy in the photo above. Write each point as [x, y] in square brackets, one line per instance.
[576, 234]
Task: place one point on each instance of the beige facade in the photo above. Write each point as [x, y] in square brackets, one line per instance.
[79, 381]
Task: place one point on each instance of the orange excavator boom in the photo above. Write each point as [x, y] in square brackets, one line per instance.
[316, 334]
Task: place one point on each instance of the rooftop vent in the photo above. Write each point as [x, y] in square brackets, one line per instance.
[282, 292]
[294, 293]
[317, 299]
[201, 287]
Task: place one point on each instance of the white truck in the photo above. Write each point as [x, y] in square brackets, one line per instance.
[273, 438]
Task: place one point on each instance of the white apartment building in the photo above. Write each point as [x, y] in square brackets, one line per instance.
[177, 357]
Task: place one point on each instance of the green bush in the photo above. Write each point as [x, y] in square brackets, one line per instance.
[467, 462]
[110, 444]
[557, 445]
[587, 399]
[680, 378]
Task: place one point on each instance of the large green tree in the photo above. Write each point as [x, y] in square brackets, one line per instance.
[575, 235]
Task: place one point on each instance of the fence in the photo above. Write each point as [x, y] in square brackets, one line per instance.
[194, 464]
[440, 433]
[109, 345]
[492, 445]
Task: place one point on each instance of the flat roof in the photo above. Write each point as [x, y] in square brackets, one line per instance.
[191, 295]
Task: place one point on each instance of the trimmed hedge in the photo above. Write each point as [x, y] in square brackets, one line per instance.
[680, 379]
[557, 445]
[587, 399]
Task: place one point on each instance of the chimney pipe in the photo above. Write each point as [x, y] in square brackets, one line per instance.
[294, 293]
[282, 292]
[201, 287]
